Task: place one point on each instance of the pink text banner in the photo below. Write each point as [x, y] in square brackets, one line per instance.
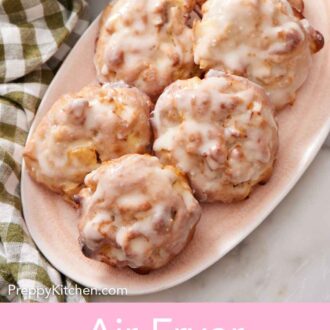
[165, 316]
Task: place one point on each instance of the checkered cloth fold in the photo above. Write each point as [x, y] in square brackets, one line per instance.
[35, 36]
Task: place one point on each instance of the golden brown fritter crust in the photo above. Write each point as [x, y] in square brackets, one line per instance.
[137, 219]
[83, 129]
[269, 42]
[220, 131]
[146, 43]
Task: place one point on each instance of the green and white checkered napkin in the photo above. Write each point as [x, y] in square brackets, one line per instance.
[35, 36]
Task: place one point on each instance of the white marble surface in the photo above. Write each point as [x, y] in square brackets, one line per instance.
[286, 259]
